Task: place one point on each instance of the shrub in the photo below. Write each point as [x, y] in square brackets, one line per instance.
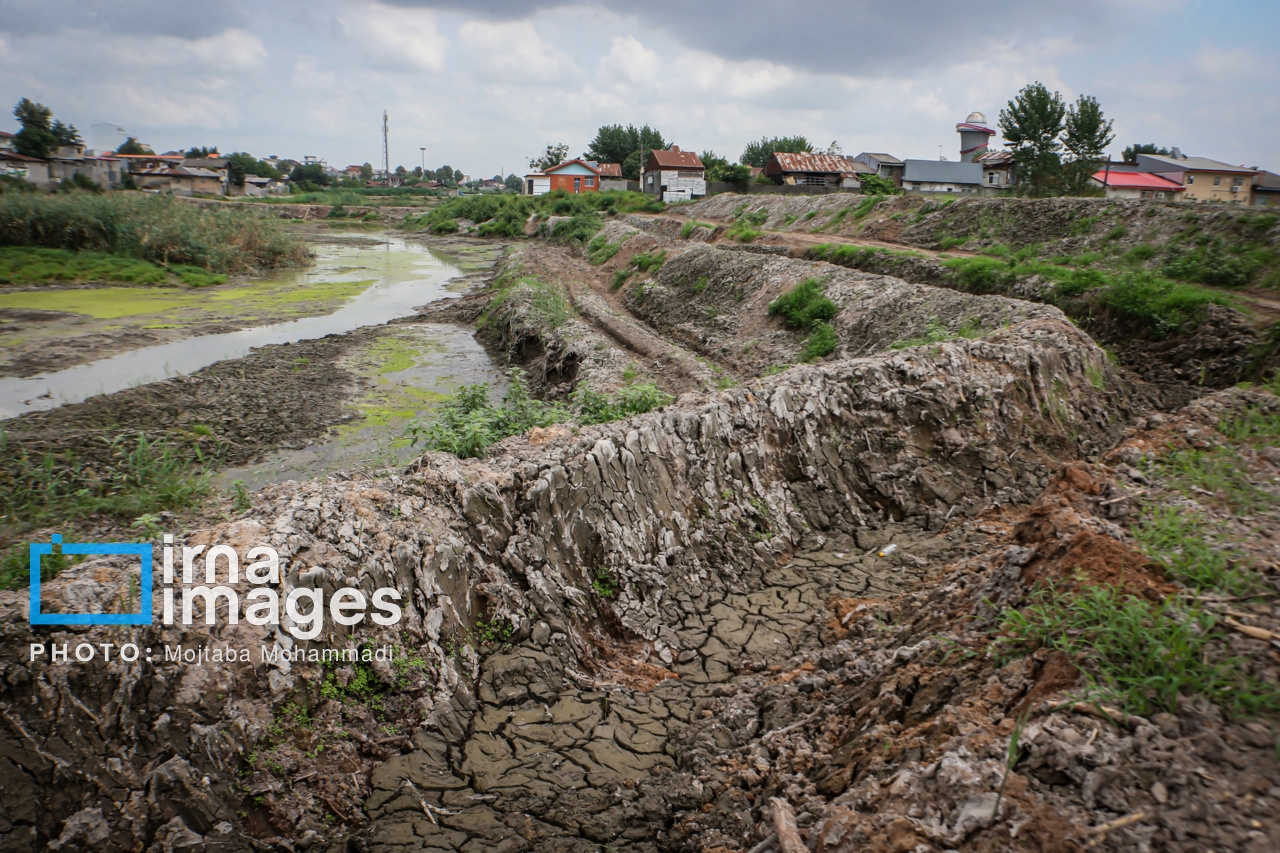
[649, 261]
[804, 305]
[1210, 265]
[1079, 281]
[596, 408]
[467, 423]
[577, 229]
[821, 342]
[1157, 304]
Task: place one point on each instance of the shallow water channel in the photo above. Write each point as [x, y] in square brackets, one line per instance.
[403, 276]
[401, 369]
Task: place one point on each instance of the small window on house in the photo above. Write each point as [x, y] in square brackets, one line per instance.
[1146, 193]
[991, 177]
[915, 185]
[1236, 182]
[1217, 181]
[1191, 179]
[591, 181]
[577, 185]
[1159, 195]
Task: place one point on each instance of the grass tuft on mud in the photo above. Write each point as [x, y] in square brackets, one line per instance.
[158, 229]
[468, 422]
[1139, 656]
[142, 475]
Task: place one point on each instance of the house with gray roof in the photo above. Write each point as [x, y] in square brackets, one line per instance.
[941, 176]
[1204, 179]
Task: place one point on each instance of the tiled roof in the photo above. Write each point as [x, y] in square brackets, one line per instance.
[1136, 180]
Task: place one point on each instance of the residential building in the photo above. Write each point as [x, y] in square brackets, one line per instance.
[815, 170]
[997, 169]
[941, 176]
[6, 140]
[1202, 178]
[180, 180]
[573, 176]
[674, 175]
[884, 165]
[1139, 185]
[217, 165]
[30, 169]
[610, 170]
[1266, 189]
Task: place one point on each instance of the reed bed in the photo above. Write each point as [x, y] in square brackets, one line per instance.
[159, 229]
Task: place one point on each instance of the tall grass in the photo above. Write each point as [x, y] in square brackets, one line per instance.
[134, 476]
[159, 229]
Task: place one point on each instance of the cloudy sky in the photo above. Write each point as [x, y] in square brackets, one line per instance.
[485, 84]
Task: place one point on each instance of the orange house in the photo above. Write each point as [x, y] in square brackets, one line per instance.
[574, 176]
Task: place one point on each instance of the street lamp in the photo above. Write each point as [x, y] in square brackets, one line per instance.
[424, 160]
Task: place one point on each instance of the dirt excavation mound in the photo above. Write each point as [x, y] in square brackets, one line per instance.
[803, 604]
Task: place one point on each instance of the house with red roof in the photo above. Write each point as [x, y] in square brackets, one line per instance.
[1118, 184]
[674, 175]
[573, 176]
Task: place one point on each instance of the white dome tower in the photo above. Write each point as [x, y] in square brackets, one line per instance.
[974, 136]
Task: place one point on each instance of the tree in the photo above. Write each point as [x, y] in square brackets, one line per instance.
[1031, 124]
[401, 173]
[249, 165]
[66, 134]
[715, 165]
[758, 153]
[366, 172]
[738, 174]
[36, 139]
[1131, 153]
[877, 185]
[628, 146]
[514, 184]
[553, 156]
[312, 174]
[1085, 138]
[834, 148]
[201, 152]
[236, 173]
[133, 146]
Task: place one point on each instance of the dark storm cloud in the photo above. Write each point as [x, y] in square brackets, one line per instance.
[834, 35]
[187, 20]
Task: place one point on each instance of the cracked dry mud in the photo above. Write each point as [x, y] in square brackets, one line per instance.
[542, 761]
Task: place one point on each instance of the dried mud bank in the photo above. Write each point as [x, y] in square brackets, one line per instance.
[609, 560]
[1226, 347]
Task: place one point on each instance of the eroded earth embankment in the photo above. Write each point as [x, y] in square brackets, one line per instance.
[635, 636]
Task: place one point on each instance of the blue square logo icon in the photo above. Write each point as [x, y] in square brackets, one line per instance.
[141, 549]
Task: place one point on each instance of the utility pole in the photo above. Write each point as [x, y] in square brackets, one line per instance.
[424, 159]
[386, 153]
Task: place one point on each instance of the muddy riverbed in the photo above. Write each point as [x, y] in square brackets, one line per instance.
[319, 368]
